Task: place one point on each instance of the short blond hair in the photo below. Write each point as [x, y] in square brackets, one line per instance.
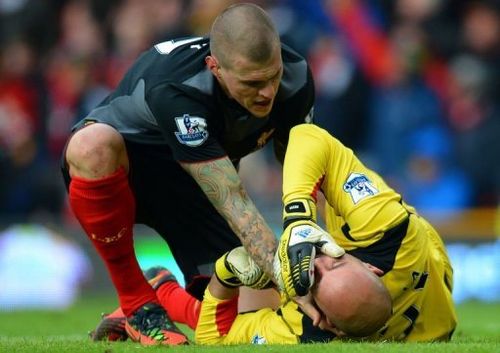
[246, 30]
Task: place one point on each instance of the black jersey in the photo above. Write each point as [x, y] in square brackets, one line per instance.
[169, 97]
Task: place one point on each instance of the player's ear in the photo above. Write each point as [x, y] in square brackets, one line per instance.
[374, 269]
[213, 65]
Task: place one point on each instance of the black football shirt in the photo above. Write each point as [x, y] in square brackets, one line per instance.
[169, 97]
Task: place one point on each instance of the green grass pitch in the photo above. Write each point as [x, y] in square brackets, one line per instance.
[66, 331]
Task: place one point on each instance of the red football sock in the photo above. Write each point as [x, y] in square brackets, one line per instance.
[180, 305]
[106, 210]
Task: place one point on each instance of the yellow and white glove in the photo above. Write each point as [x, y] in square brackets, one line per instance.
[294, 259]
[236, 268]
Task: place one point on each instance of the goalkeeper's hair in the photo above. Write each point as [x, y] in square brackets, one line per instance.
[243, 29]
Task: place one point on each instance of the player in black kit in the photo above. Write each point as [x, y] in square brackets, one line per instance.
[164, 147]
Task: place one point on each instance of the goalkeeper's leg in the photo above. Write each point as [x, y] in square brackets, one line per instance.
[219, 309]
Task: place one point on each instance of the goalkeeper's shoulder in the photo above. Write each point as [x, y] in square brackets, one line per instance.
[311, 132]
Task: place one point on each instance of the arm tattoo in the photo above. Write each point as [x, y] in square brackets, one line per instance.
[221, 183]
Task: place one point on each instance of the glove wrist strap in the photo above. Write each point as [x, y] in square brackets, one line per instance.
[224, 273]
[299, 210]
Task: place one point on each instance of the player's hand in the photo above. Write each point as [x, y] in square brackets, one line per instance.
[306, 304]
[236, 268]
[294, 259]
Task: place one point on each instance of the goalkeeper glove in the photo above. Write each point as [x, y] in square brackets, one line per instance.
[236, 268]
[294, 259]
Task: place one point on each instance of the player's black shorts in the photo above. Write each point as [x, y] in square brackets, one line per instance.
[171, 202]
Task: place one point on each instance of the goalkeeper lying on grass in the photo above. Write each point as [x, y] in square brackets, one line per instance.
[351, 297]
[370, 221]
[349, 294]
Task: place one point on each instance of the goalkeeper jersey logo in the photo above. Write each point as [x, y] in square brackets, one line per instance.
[359, 187]
[258, 339]
[192, 130]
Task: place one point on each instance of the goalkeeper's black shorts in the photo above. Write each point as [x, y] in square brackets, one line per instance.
[171, 202]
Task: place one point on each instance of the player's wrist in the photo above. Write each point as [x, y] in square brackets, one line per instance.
[217, 291]
[225, 274]
[299, 209]
[236, 268]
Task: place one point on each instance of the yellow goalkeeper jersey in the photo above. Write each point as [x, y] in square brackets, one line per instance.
[369, 219]
[286, 325]
[316, 161]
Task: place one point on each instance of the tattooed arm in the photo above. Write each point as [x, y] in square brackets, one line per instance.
[221, 183]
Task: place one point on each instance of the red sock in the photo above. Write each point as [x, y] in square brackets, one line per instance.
[106, 210]
[180, 305]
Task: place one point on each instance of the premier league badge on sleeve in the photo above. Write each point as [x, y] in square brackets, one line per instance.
[359, 186]
[192, 130]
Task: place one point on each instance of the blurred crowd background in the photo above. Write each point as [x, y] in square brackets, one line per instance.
[413, 86]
